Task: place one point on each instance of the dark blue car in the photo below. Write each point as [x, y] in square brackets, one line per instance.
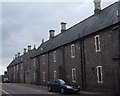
[61, 86]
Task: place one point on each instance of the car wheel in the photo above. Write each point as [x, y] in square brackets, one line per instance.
[62, 91]
[49, 88]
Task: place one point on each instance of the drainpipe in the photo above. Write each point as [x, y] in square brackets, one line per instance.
[119, 61]
[64, 68]
[48, 67]
[83, 67]
[116, 59]
[38, 68]
[62, 71]
[119, 46]
[24, 73]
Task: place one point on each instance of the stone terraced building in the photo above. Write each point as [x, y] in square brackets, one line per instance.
[88, 54]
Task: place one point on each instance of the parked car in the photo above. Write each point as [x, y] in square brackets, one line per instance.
[61, 86]
[6, 80]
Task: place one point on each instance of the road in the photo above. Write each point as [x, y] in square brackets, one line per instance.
[18, 89]
[12, 89]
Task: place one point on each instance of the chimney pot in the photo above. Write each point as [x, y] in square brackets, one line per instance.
[18, 54]
[34, 46]
[52, 33]
[97, 4]
[24, 50]
[63, 26]
[42, 40]
[29, 48]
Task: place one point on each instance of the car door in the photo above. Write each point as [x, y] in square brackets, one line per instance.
[57, 85]
[53, 85]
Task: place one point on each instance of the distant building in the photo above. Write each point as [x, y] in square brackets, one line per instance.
[19, 70]
[88, 54]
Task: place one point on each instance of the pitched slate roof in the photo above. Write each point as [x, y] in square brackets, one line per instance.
[22, 58]
[15, 61]
[94, 23]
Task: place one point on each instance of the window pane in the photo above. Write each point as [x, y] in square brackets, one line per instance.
[55, 73]
[73, 75]
[72, 51]
[43, 76]
[99, 74]
[54, 56]
[97, 43]
[43, 59]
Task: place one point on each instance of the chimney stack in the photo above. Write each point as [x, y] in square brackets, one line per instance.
[25, 50]
[29, 48]
[34, 46]
[97, 5]
[42, 40]
[63, 26]
[18, 54]
[52, 34]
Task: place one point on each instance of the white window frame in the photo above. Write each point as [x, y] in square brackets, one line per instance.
[55, 74]
[43, 59]
[14, 76]
[73, 51]
[73, 77]
[41, 49]
[17, 67]
[97, 44]
[117, 12]
[34, 75]
[14, 69]
[43, 76]
[54, 56]
[99, 74]
[34, 62]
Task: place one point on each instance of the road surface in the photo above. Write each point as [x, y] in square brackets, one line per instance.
[18, 89]
[12, 89]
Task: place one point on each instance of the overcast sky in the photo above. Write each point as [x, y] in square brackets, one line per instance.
[27, 23]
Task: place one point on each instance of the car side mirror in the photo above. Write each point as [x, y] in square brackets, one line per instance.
[58, 83]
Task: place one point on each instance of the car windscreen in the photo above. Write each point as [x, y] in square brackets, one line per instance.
[62, 82]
